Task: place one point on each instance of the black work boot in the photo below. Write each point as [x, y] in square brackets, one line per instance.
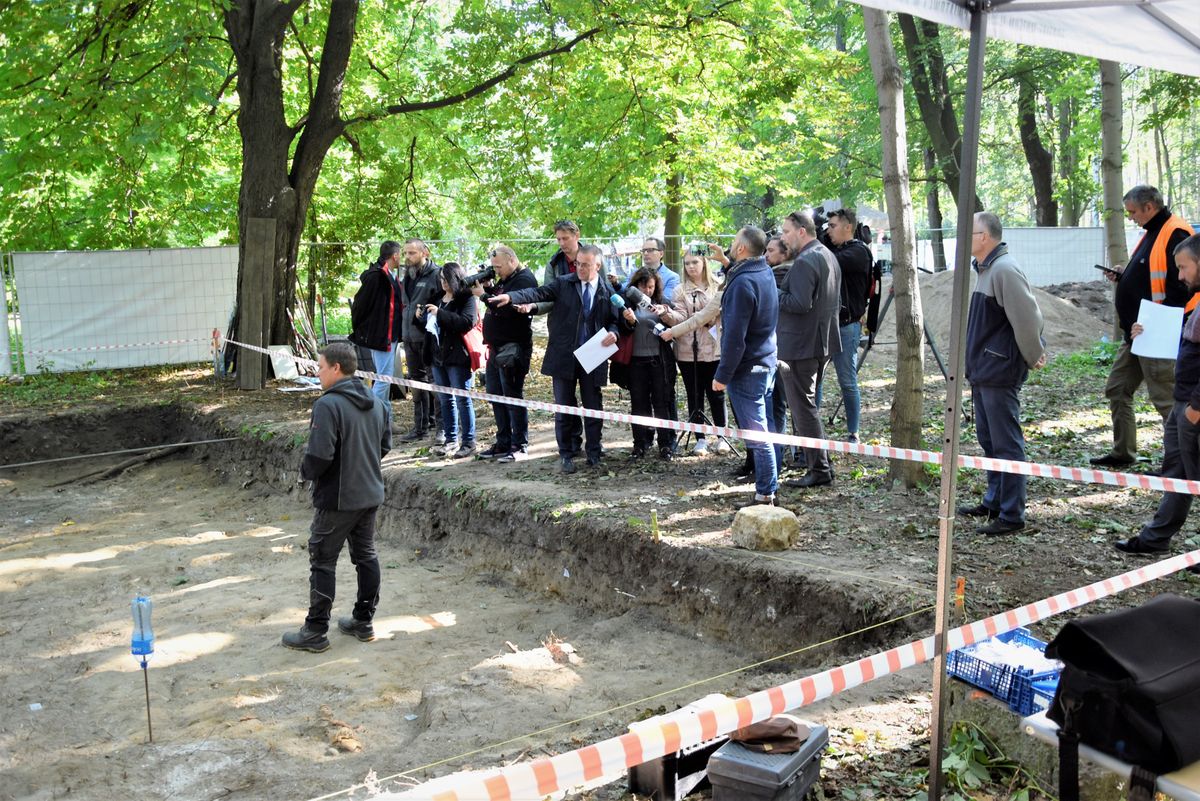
[361, 629]
[307, 640]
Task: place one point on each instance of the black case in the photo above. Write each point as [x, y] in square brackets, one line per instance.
[740, 774]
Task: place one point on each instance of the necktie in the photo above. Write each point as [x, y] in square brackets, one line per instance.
[587, 307]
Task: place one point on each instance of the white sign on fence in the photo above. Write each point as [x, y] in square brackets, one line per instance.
[128, 308]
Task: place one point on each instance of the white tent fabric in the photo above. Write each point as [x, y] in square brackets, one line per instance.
[1164, 34]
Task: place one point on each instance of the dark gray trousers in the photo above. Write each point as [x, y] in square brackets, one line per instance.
[800, 382]
[1181, 459]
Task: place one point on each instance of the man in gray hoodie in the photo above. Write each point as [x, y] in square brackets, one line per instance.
[350, 432]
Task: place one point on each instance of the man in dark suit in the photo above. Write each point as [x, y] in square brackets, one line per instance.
[581, 308]
[808, 335]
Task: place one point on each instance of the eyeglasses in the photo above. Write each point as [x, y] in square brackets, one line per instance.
[652, 250]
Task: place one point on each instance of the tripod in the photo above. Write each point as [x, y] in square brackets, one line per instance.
[697, 392]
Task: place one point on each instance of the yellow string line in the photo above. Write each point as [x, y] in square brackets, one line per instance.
[628, 704]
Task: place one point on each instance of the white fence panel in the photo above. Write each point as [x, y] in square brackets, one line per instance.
[130, 308]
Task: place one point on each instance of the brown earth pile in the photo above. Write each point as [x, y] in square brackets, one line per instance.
[1067, 326]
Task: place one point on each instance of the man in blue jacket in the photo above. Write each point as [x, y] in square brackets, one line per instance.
[749, 313]
[1004, 340]
[350, 432]
[581, 309]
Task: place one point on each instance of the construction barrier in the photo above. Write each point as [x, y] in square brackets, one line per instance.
[1075, 474]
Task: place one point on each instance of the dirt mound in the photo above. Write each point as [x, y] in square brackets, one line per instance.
[1068, 327]
[1096, 297]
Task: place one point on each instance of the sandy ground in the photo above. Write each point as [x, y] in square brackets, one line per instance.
[236, 715]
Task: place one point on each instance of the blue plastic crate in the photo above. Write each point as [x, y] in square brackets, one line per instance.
[1012, 685]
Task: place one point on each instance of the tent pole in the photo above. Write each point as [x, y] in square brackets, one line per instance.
[953, 420]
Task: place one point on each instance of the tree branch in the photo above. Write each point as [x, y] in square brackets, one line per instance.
[478, 89]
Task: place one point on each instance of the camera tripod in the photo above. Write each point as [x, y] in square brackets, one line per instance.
[696, 393]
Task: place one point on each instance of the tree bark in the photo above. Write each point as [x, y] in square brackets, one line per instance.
[1070, 203]
[933, 208]
[1110, 165]
[931, 88]
[908, 400]
[1040, 160]
[673, 222]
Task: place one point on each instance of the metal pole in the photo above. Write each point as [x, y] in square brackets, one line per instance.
[146, 679]
[953, 419]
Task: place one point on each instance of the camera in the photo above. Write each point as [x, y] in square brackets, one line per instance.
[486, 273]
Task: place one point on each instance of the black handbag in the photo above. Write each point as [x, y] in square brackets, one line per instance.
[1130, 687]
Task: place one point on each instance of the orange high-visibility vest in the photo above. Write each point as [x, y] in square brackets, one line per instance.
[1158, 260]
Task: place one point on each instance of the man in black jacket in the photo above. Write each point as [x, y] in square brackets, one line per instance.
[855, 260]
[1150, 275]
[375, 314]
[1181, 440]
[581, 308]
[509, 337]
[350, 433]
[419, 287]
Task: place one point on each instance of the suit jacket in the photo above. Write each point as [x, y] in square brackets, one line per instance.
[809, 301]
[563, 292]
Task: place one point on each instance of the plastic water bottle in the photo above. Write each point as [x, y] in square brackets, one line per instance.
[143, 634]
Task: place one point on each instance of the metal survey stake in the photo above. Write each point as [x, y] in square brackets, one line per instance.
[142, 645]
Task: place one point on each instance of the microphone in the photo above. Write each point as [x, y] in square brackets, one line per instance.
[617, 301]
[637, 297]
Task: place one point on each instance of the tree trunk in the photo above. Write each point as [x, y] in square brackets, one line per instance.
[908, 400]
[933, 209]
[1110, 165]
[1070, 204]
[1040, 160]
[673, 220]
[931, 88]
[277, 183]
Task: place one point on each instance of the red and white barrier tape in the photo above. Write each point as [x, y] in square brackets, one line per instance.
[1076, 474]
[529, 781]
[94, 348]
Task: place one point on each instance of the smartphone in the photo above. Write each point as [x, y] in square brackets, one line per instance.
[1108, 270]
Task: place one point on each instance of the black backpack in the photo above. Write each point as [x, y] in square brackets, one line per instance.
[1130, 687]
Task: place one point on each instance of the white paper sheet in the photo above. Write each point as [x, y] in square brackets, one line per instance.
[592, 354]
[431, 325]
[1163, 326]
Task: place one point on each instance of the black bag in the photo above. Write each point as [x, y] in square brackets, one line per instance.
[508, 355]
[1130, 687]
[875, 290]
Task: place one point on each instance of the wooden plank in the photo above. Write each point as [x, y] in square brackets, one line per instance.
[255, 307]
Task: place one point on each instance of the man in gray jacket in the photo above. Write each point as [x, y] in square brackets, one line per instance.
[1004, 340]
[350, 432]
[418, 286]
[808, 335]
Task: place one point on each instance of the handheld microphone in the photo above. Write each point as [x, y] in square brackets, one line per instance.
[637, 297]
[617, 301]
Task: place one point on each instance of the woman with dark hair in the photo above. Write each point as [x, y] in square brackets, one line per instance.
[651, 368]
[456, 313]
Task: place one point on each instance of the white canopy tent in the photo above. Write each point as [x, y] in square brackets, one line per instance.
[1163, 34]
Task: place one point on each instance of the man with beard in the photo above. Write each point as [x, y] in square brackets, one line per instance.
[419, 287]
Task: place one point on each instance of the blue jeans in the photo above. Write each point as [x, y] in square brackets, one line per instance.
[385, 363]
[846, 366]
[748, 394]
[998, 427]
[459, 377]
[512, 422]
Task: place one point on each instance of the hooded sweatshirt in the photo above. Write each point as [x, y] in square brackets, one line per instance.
[350, 432]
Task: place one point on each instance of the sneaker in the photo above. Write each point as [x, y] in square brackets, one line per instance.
[360, 629]
[567, 465]
[721, 447]
[637, 453]
[494, 452]
[413, 435]
[306, 640]
[701, 448]
[852, 438]
[515, 455]
[467, 449]
[449, 448]
[758, 500]
[594, 461]
[666, 454]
